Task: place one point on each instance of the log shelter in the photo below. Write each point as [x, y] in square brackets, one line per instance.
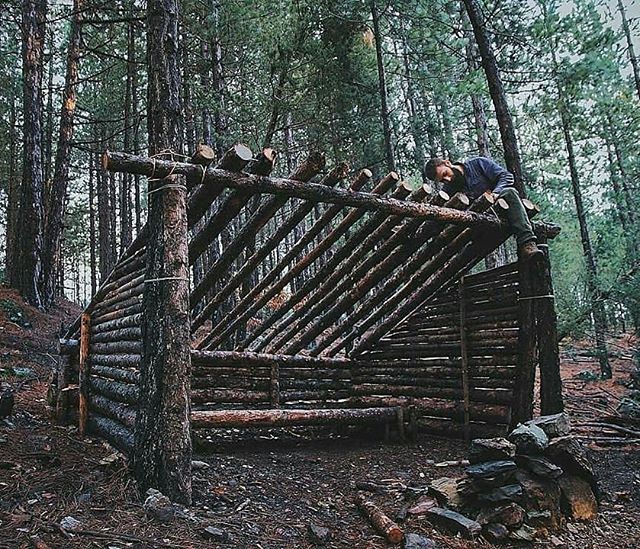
[389, 326]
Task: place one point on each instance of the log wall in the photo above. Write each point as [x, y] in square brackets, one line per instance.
[455, 359]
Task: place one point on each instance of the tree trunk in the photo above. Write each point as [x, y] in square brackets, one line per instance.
[496, 89]
[217, 81]
[630, 50]
[13, 191]
[599, 318]
[28, 248]
[58, 197]
[92, 225]
[162, 455]
[104, 228]
[382, 86]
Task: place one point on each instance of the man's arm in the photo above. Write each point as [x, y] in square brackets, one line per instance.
[495, 172]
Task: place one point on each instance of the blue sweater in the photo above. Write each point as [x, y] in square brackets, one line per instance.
[480, 175]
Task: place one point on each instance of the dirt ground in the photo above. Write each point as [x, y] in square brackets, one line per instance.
[264, 493]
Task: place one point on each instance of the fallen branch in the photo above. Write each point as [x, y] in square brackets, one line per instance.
[381, 522]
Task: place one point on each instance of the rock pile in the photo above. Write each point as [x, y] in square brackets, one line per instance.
[520, 487]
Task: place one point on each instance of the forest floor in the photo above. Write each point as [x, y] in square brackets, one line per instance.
[265, 494]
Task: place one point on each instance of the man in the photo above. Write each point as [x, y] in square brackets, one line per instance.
[478, 175]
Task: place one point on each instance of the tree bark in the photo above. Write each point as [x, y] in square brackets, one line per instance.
[162, 454]
[630, 50]
[54, 227]
[27, 252]
[496, 89]
[382, 86]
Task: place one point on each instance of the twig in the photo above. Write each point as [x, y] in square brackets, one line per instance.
[124, 537]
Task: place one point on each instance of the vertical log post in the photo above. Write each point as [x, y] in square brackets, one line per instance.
[464, 361]
[551, 401]
[162, 451]
[275, 384]
[83, 373]
[522, 407]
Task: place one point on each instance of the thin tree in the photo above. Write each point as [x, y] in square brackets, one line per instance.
[58, 196]
[630, 50]
[498, 96]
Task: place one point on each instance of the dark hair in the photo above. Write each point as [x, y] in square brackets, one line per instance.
[430, 166]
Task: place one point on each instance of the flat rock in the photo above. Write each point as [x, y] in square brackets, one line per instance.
[577, 498]
[556, 425]
[524, 533]
[70, 524]
[529, 439]
[453, 522]
[511, 515]
[318, 535]
[495, 532]
[422, 506]
[490, 449]
[158, 506]
[540, 495]
[489, 469]
[568, 453]
[416, 541]
[445, 490]
[510, 492]
[216, 534]
[539, 466]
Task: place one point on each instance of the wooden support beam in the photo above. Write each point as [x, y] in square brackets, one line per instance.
[310, 168]
[522, 409]
[385, 184]
[84, 373]
[312, 296]
[122, 162]
[406, 280]
[253, 301]
[551, 401]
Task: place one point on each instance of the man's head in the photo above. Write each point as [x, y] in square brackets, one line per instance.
[444, 171]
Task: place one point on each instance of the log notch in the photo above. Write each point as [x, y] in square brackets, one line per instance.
[551, 401]
[84, 373]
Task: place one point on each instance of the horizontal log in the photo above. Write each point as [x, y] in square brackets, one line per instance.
[117, 310]
[116, 361]
[129, 321]
[116, 348]
[451, 428]
[119, 297]
[427, 381]
[495, 396]
[119, 162]
[491, 274]
[492, 372]
[230, 382]
[123, 334]
[117, 374]
[113, 432]
[114, 390]
[313, 384]
[281, 418]
[314, 395]
[247, 358]
[113, 410]
[258, 372]
[437, 351]
[199, 396]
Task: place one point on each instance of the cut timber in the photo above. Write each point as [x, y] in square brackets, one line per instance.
[250, 303]
[282, 418]
[381, 522]
[112, 431]
[122, 162]
[203, 155]
[84, 373]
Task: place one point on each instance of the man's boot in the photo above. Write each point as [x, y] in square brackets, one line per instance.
[529, 251]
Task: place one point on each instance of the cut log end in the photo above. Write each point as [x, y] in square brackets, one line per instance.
[203, 155]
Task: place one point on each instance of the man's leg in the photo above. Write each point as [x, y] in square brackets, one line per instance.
[517, 216]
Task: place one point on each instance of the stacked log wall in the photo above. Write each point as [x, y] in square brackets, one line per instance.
[422, 359]
[115, 353]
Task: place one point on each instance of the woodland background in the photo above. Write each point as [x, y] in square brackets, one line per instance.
[379, 84]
